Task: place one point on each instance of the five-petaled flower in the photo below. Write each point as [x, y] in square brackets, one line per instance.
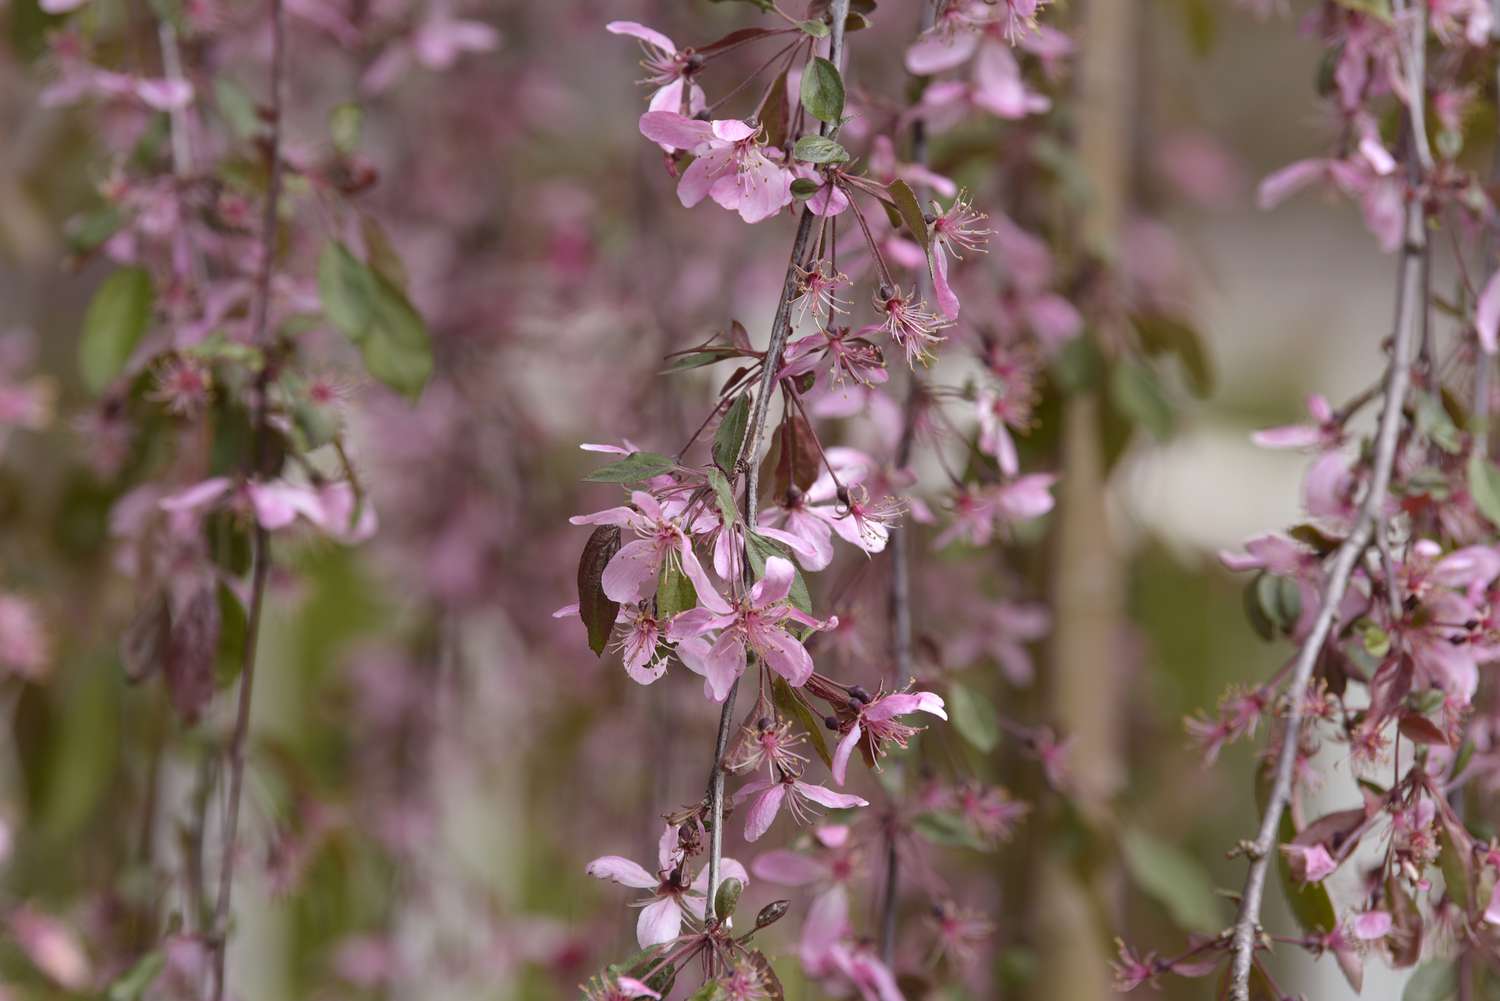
[673, 896]
[875, 723]
[757, 623]
[731, 163]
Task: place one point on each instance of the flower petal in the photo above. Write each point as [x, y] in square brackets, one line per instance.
[623, 871]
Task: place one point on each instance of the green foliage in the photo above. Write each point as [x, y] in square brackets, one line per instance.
[1173, 878]
[116, 320]
[633, 468]
[823, 91]
[974, 717]
[819, 149]
[374, 314]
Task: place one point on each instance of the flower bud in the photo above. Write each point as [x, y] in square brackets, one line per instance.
[727, 898]
[771, 913]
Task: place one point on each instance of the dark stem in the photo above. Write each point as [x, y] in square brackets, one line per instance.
[260, 554]
[899, 603]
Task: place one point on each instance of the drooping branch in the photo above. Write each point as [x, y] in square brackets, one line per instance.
[781, 328]
[1410, 308]
[899, 597]
[260, 553]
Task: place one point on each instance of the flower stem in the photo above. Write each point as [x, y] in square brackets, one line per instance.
[261, 556]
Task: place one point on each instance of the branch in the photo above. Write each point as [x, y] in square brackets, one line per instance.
[899, 602]
[781, 328]
[259, 323]
[1410, 307]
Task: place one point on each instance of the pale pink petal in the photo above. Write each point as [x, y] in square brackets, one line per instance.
[1372, 925]
[763, 811]
[947, 300]
[1287, 181]
[675, 130]
[622, 871]
[708, 595]
[1288, 436]
[775, 585]
[788, 868]
[937, 51]
[784, 655]
[1487, 315]
[841, 754]
[631, 573]
[648, 35]
[659, 922]
[197, 495]
[827, 797]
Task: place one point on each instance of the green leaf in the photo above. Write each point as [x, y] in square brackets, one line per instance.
[634, 468]
[823, 91]
[910, 211]
[1137, 395]
[724, 495]
[802, 187]
[131, 984]
[373, 313]
[762, 5]
[345, 124]
[819, 149]
[948, 830]
[727, 898]
[595, 608]
[817, 29]
[1375, 8]
[89, 230]
[1167, 335]
[789, 705]
[698, 359]
[237, 107]
[1278, 600]
[116, 321]
[775, 112]
[1484, 487]
[973, 717]
[759, 549]
[674, 592]
[730, 437]
[382, 252]
[1434, 980]
[1174, 879]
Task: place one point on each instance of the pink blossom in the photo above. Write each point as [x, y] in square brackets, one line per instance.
[1487, 315]
[960, 227]
[757, 623]
[1309, 863]
[1372, 925]
[668, 69]
[875, 722]
[53, 947]
[632, 573]
[435, 43]
[24, 646]
[672, 897]
[769, 795]
[732, 165]
[1325, 433]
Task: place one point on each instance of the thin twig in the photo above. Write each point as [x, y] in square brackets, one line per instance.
[1410, 306]
[259, 324]
[899, 602]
